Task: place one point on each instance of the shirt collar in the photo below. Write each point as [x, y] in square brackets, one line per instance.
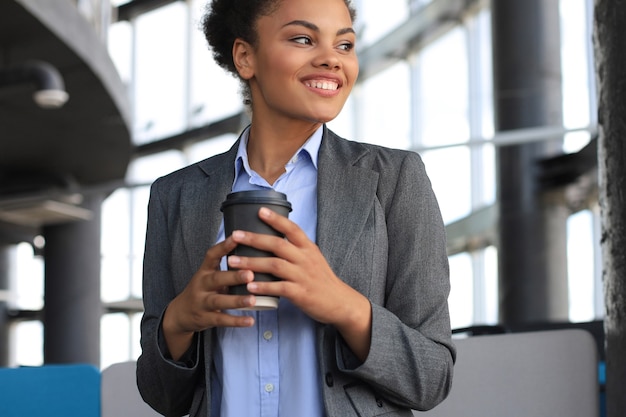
[311, 147]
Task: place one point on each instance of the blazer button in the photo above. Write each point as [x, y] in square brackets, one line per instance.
[329, 379]
[379, 402]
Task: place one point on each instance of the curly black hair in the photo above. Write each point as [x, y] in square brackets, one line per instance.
[226, 20]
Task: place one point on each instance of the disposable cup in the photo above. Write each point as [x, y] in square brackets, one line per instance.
[241, 212]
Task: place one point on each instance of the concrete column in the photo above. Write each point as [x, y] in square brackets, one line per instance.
[610, 44]
[72, 308]
[527, 93]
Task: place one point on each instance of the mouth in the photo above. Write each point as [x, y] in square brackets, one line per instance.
[322, 84]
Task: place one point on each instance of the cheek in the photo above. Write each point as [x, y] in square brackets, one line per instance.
[352, 70]
[282, 61]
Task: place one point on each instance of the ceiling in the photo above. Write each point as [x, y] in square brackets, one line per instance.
[83, 145]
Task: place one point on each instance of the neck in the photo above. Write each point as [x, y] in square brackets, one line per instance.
[270, 147]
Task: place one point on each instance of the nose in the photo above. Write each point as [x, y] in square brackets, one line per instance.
[327, 58]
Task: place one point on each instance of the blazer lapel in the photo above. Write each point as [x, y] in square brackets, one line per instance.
[201, 198]
[345, 195]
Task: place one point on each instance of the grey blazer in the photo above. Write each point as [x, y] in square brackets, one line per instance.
[380, 229]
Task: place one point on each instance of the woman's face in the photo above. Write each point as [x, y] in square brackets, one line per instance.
[304, 65]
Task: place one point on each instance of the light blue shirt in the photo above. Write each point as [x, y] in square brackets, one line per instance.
[271, 369]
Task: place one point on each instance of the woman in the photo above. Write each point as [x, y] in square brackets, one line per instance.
[362, 328]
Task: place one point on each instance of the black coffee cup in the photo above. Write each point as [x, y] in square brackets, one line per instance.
[241, 212]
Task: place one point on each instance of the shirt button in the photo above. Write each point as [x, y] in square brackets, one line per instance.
[267, 335]
[269, 387]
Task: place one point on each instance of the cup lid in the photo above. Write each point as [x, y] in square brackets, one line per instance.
[257, 197]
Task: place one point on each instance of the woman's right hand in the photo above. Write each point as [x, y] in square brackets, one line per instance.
[199, 306]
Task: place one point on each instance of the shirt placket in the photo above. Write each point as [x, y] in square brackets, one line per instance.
[269, 374]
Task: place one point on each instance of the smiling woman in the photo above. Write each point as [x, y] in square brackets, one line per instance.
[363, 311]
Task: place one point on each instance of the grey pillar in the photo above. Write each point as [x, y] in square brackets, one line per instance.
[610, 44]
[527, 93]
[72, 308]
[6, 252]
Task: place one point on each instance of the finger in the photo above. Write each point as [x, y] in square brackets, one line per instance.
[215, 253]
[275, 288]
[219, 281]
[219, 302]
[220, 319]
[291, 230]
[264, 242]
[278, 267]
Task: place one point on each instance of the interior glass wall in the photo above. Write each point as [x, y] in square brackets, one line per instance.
[437, 101]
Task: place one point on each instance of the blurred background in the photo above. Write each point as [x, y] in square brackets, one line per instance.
[497, 96]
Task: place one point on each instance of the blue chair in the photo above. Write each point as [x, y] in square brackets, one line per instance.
[50, 391]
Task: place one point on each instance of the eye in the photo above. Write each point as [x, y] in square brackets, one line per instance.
[303, 40]
[346, 46]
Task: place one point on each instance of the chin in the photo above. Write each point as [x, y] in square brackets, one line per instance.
[324, 117]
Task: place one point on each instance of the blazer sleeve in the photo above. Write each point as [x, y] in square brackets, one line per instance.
[167, 386]
[411, 356]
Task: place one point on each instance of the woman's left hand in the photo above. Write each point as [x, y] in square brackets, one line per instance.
[306, 280]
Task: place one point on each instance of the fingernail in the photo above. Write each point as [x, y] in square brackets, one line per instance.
[265, 212]
[238, 234]
[247, 276]
[234, 260]
[252, 286]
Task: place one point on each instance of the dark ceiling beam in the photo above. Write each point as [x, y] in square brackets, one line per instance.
[562, 170]
[232, 124]
[134, 8]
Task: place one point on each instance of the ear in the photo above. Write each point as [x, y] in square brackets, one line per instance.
[243, 57]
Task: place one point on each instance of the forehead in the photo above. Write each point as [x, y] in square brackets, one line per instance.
[331, 12]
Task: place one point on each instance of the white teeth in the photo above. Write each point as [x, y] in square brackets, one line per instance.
[324, 85]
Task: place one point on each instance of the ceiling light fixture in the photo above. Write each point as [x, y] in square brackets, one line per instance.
[50, 93]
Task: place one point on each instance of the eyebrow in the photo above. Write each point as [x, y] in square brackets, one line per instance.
[314, 27]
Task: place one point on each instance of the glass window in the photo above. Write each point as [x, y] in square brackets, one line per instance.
[448, 171]
[146, 169]
[444, 96]
[376, 18]
[385, 108]
[461, 299]
[442, 102]
[28, 336]
[160, 72]
[202, 150]
[214, 93]
[490, 308]
[115, 336]
[115, 276]
[580, 266]
[120, 42]
[575, 47]
[177, 85]
[28, 278]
